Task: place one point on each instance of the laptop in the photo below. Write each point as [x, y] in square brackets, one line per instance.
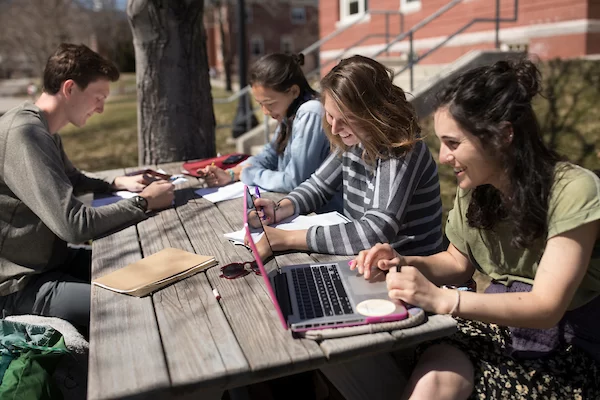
[321, 295]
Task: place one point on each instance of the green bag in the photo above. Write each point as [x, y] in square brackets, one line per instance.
[30, 354]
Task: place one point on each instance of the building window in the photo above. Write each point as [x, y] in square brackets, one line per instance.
[249, 14]
[518, 47]
[287, 45]
[352, 9]
[257, 46]
[410, 6]
[298, 15]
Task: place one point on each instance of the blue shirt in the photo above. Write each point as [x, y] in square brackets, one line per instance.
[306, 150]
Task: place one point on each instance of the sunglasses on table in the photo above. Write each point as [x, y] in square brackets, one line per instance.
[236, 270]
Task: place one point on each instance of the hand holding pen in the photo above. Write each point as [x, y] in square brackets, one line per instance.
[268, 209]
[257, 193]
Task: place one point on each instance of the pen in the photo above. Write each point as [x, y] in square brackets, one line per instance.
[257, 193]
[216, 293]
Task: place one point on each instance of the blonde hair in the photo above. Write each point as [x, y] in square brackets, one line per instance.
[376, 109]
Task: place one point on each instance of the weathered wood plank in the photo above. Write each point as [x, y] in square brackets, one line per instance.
[125, 348]
[352, 347]
[190, 319]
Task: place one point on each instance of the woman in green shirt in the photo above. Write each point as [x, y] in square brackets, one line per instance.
[528, 221]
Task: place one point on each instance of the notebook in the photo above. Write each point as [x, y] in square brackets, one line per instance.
[154, 272]
[321, 295]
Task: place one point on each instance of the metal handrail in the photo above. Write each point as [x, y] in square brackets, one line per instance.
[410, 34]
[387, 14]
[317, 45]
[308, 50]
[418, 26]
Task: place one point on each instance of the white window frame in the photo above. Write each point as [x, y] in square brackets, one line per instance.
[298, 21]
[289, 40]
[346, 18]
[410, 6]
[257, 39]
[249, 13]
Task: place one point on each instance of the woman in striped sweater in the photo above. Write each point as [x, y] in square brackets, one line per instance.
[389, 179]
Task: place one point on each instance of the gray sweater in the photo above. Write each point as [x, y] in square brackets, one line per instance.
[38, 211]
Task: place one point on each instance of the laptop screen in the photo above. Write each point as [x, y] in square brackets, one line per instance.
[254, 232]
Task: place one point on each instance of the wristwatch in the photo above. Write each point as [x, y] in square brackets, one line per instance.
[141, 203]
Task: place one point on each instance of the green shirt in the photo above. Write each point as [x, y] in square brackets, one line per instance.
[574, 201]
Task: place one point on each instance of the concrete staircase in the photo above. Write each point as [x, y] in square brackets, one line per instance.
[427, 79]
[424, 94]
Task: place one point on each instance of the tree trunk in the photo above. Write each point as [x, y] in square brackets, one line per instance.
[175, 110]
[225, 51]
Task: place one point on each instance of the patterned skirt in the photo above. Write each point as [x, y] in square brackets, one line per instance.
[568, 373]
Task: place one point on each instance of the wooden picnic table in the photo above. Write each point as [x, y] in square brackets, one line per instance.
[181, 340]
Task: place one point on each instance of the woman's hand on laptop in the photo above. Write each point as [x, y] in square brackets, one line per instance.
[381, 256]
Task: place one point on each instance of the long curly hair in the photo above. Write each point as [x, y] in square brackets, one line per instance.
[376, 109]
[489, 102]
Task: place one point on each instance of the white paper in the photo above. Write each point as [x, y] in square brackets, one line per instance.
[105, 199]
[231, 191]
[299, 223]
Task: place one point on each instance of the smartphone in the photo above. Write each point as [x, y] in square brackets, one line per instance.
[151, 172]
[232, 159]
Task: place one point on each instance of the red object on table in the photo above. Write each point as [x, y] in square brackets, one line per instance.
[223, 162]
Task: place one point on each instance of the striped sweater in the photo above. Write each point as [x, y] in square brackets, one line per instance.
[398, 204]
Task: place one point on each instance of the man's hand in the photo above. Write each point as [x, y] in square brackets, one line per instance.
[135, 183]
[159, 194]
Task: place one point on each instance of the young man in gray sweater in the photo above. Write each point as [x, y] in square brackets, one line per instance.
[39, 212]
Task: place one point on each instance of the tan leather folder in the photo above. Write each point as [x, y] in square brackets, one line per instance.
[154, 272]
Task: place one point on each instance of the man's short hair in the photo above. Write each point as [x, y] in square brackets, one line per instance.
[79, 63]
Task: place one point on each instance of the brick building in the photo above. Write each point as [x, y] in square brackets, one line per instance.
[548, 28]
[271, 26]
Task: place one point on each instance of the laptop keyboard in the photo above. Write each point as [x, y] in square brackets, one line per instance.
[320, 292]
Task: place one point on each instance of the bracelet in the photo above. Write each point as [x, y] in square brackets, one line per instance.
[456, 305]
[231, 174]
